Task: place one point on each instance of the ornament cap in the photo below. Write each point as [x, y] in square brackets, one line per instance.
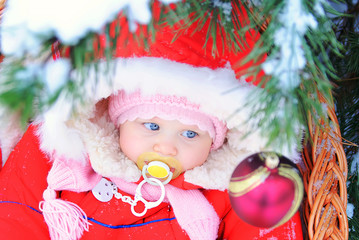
[271, 160]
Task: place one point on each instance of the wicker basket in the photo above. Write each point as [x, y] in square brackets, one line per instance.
[324, 176]
[325, 172]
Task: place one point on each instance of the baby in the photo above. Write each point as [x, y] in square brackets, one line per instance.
[165, 128]
[149, 156]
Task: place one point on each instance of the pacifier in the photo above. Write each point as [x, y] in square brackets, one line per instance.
[155, 166]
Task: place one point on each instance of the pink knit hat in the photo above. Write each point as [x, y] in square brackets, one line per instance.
[123, 107]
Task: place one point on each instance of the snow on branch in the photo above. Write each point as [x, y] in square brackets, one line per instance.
[287, 63]
[27, 24]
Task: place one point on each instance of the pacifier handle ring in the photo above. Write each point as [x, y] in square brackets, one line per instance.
[148, 205]
[149, 180]
[136, 213]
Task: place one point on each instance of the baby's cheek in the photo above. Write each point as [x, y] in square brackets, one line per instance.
[128, 149]
[195, 161]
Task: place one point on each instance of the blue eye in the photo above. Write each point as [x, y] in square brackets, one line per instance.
[189, 134]
[151, 126]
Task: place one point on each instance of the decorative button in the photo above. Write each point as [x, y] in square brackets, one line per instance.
[103, 191]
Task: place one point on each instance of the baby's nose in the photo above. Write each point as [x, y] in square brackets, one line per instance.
[165, 148]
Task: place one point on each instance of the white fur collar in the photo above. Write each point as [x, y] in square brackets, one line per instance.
[100, 139]
[10, 133]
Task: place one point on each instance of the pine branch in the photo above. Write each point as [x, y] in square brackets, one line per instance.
[294, 88]
[298, 95]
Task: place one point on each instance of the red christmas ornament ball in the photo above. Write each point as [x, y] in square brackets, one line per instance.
[266, 189]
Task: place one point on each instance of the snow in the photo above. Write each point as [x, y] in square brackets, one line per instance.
[256, 2]
[319, 8]
[32, 71]
[225, 6]
[350, 210]
[290, 59]
[27, 24]
[264, 231]
[354, 168]
[56, 73]
[355, 164]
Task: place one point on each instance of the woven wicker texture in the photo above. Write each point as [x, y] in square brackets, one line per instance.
[325, 175]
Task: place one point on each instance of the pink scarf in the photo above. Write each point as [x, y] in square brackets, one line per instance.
[67, 221]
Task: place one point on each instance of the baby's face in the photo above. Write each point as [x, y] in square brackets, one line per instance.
[169, 138]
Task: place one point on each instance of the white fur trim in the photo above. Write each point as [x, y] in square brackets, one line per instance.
[10, 132]
[56, 136]
[102, 143]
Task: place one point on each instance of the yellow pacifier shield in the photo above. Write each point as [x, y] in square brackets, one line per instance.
[158, 169]
[169, 164]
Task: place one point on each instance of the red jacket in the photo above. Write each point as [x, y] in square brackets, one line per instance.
[23, 180]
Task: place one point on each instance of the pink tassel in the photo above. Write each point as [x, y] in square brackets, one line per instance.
[65, 219]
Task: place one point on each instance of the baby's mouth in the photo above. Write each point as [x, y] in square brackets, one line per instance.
[162, 168]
